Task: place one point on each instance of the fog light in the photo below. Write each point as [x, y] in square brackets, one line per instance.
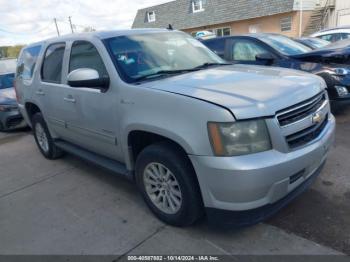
[342, 90]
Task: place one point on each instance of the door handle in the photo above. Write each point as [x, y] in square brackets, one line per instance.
[69, 99]
[40, 92]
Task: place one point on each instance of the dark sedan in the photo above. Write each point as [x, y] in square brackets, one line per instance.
[278, 50]
[10, 117]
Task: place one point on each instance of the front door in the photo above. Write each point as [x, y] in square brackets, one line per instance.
[90, 114]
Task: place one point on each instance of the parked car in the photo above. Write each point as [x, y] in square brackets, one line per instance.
[196, 134]
[281, 51]
[312, 42]
[333, 34]
[10, 117]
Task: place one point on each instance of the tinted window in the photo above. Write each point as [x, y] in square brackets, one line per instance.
[6, 81]
[217, 45]
[245, 50]
[331, 37]
[345, 36]
[27, 61]
[52, 65]
[85, 55]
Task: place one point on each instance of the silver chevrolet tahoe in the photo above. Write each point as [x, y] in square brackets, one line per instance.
[197, 135]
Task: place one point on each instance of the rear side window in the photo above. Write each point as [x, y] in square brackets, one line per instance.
[218, 46]
[52, 65]
[27, 61]
[85, 55]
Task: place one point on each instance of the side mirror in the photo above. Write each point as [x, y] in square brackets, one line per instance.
[265, 58]
[89, 78]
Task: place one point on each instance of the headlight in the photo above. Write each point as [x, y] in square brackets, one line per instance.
[7, 108]
[239, 138]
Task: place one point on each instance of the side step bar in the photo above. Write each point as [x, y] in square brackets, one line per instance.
[98, 160]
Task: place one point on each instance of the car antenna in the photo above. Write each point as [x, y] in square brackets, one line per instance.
[170, 27]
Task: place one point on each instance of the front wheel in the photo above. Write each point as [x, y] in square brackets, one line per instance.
[168, 184]
[43, 138]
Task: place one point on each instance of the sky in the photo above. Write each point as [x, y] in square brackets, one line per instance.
[27, 21]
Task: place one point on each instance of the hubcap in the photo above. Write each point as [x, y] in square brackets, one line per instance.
[41, 137]
[162, 188]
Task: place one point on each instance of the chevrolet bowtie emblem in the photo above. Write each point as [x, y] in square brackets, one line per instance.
[317, 118]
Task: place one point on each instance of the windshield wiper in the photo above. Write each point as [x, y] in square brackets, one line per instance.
[206, 65]
[163, 72]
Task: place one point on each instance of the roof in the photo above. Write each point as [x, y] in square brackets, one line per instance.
[100, 35]
[179, 13]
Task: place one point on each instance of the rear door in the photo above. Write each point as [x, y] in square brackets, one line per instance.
[49, 92]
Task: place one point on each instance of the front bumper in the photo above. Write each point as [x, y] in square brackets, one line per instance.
[11, 120]
[254, 181]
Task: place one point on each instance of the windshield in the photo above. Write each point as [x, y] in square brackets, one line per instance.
[6, 81]
[285, 45]
[142, 55]
[317, 43]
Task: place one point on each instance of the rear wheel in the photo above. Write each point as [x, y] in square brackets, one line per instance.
[168, 184]
[43, 138]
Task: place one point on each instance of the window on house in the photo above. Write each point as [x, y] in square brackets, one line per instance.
[286, 24]
[151, 17]
[197, 6]
[223, 31]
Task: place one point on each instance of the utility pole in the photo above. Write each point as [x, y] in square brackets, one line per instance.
[58, 31]
[301, 18]
[71, 25]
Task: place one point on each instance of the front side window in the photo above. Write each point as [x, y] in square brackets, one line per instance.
[151, 17]
[145, 54]
[85, 55]
[197, 6]
[27, 61]
[52, 65]
[286, 24]
[246, 50]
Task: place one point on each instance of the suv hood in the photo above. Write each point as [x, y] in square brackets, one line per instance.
[247, 91]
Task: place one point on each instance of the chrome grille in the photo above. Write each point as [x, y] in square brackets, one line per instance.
[299, 111]
[304, 122]
[307, 135]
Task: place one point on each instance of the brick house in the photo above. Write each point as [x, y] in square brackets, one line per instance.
[226, 17]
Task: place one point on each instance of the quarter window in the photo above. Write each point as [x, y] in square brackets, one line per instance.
[52, 66]
[197, 6]
[246, 51]
[286, 24]
[85, 55]
[151, 17]
[27, 61]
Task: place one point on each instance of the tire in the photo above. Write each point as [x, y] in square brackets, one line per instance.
[167, 157]
[43, 138]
